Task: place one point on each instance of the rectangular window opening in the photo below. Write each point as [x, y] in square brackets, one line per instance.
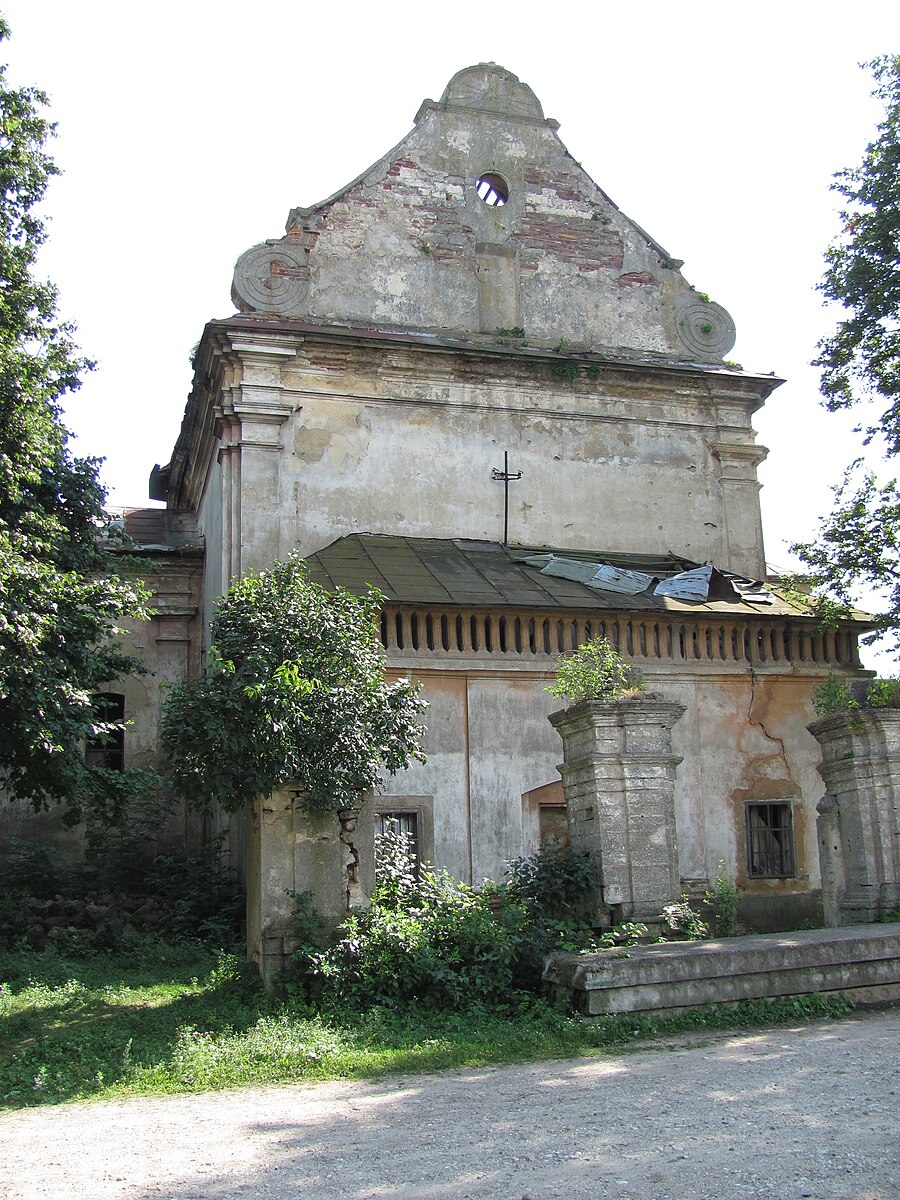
[770, 841]
[553, 826]
[108, 750]
[405, 823]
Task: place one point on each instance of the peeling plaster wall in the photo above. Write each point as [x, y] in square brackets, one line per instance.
[402, 442]
[169, 645]
[489, 742]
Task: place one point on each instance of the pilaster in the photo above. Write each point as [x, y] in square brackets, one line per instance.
[249, 416]
[738, 463]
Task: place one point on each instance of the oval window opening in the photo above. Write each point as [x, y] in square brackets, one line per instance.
[493, 190]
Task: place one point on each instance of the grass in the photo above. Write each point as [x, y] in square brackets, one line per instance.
[173, 1018]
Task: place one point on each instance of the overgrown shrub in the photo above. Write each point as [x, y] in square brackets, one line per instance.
[553, 882]
[682, 918]
[834, 695]
[428, 939]
[551, 887]
[883, 693]
[596, 671]
[724, 897]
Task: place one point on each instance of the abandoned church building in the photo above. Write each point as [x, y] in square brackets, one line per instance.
[469, 380]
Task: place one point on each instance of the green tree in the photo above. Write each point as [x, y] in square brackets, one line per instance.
[61, 595]
[295, 692]
[857, 543]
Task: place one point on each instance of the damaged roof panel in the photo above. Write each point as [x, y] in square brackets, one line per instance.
[603, 576]
[469, 574]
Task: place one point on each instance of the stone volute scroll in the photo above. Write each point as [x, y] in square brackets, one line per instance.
[272, 277]
[706, 330]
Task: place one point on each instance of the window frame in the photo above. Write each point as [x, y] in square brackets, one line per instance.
[771, 850]
[108, 750]
[422, 807]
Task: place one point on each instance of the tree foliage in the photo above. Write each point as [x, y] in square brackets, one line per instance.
[61, 594]
[860, 363]
[295, 692]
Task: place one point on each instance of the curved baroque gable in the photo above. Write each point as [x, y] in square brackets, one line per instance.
[481, 220]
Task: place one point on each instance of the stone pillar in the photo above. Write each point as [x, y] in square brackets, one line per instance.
[619, 781]
[859, 818]
[289, 851]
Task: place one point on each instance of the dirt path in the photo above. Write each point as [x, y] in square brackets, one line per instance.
[806, 1112]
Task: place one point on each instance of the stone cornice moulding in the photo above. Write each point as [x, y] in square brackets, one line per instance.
[290, 331]
[649, 711]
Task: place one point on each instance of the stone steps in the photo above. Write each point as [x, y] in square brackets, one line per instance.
[862, 962]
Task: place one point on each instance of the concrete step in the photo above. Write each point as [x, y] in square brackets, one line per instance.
[861, 961]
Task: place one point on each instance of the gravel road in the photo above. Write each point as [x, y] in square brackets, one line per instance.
[787, 1113]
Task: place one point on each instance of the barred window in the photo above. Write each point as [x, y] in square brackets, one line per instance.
[406, 823]
[770, 841]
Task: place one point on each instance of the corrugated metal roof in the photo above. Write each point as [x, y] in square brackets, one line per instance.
[471, 574]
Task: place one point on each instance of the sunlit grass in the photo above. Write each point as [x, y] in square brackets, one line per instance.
[184, 1018]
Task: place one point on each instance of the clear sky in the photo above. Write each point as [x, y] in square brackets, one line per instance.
[188, 130]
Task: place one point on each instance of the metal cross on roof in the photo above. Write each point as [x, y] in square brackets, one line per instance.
[506, 476]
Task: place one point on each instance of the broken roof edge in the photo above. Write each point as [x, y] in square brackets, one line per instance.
[298, 212]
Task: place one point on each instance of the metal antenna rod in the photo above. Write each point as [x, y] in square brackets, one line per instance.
[505, 475]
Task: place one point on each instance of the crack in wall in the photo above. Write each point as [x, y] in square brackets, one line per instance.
[761, 725]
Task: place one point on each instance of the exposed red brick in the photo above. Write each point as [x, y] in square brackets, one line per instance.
[590, 248]
[637, 279]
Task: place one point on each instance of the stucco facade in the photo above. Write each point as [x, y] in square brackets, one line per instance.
[475, 294]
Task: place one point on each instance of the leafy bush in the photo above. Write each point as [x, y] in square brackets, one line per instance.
[295, 691]
[682, 918]
[595, 671]
[202, 894]
[724, 898]
[447, 950]
[428, 939]
[31, 869]
[552, 882]
[118, 893]
[836, 695]
[884, 693]
[832, 696]
[396, 872]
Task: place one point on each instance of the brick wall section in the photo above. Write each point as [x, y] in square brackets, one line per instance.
[561, 220]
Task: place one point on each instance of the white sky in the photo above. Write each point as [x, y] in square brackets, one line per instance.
[188, 130]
